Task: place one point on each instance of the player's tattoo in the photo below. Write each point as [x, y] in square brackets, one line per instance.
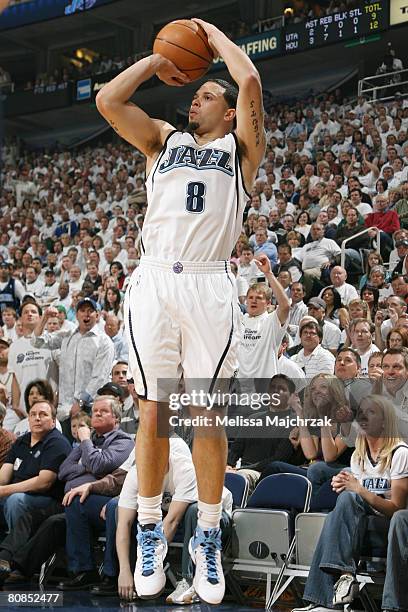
[114, 126]
[255, 123]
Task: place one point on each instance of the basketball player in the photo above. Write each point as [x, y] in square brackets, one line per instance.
[181, 305]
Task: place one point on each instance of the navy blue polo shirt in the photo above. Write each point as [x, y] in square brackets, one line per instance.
[48, 454]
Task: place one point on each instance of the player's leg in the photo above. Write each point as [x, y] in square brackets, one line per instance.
[213, 328]
[210, 460]
[152, 457]
[153, 355]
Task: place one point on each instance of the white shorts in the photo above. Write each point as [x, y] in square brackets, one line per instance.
[181, 319]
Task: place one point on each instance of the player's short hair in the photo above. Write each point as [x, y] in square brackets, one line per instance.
[230, 91]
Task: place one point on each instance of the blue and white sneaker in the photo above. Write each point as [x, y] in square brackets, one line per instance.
[150, 578]
[205, 551]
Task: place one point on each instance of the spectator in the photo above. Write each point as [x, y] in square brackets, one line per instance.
[317, 255]
[6, 437]
[263, 246]
[331, 333]
[26, 362]
[87, 355]
[98, 454]
[261, 329]
[313, 358]
[361, 340]
[379, 440]
[28, 476]
[11, 290]
[338, 277]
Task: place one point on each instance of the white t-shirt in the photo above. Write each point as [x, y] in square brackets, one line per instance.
[365, 357]
[260, 340]
[316, 253]
[29, 363]
[377, 481]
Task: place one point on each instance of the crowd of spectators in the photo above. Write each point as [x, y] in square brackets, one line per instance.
[70, 238]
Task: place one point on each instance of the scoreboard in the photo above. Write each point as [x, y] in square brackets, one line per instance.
[365, 19]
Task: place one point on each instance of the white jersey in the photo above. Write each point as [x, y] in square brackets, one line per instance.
[377, 481]
[196, 198]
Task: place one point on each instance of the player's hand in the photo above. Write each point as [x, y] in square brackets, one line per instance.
[210, 30]
[263, 263]
[170, 74]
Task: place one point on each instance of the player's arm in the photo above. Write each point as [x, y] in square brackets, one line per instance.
[250, 116]
[127, 119]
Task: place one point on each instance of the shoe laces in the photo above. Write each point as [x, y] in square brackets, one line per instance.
[210, 542]
[342, 586]
[148, 541]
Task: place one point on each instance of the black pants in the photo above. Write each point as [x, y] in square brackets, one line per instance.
[36, 536]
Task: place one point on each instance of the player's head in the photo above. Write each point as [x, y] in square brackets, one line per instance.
[213, 104]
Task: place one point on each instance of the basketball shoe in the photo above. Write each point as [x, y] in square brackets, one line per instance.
[150, 578]
[205, 551]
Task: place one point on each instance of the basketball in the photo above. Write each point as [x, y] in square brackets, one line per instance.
[185, 43]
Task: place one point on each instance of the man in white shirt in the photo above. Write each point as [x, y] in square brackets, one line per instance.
[331, 333]
[317, 255]
[34, 285]
[361, 341]
[262, 331]
[313, 358]
[247, 268]
[298, 308]
[338, 276]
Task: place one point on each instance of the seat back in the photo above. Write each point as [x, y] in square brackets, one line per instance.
[308, 527]
[260, 535]
[282, 492]
[238, 485]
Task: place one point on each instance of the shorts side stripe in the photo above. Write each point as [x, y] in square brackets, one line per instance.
[137, 353]
[224, 354]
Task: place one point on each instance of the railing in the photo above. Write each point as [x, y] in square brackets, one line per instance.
[272, 23]
[385, 86]
[364, 231]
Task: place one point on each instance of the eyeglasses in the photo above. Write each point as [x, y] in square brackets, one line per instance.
[308, 333]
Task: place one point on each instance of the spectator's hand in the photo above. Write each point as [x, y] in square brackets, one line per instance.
[379, 318]
[84, 433]
[81, 490]
[263, 263]
[4, 490]
[126, 587]
[325, 265]
[75, 408]
[50, 312]
[294, 437]
[102, 513]
[295, 404]
[344, 414]
[345, 481]
[372, 233]
[393, 316]
[376, 373]
[229, 468]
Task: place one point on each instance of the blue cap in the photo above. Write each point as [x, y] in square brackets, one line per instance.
[87, 302]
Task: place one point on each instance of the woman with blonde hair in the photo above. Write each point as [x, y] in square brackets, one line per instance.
[377, 484]
[325, 396]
